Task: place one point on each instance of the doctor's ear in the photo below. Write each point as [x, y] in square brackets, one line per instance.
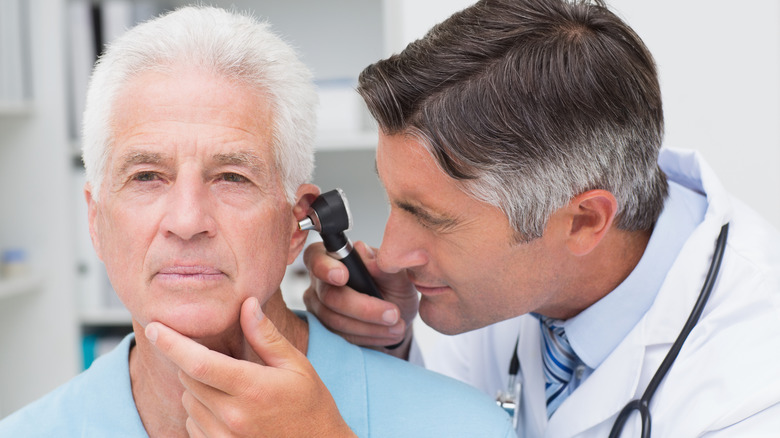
[591, 216]
[304, 197]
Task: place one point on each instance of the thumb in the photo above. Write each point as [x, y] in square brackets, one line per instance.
[265, 339]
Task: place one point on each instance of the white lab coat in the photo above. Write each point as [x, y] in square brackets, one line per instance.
[726, 379]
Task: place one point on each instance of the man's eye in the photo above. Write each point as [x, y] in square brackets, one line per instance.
[146, 176]
[233, 177]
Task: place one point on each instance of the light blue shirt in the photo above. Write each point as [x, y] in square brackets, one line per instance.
[377, 395]
[597, 330]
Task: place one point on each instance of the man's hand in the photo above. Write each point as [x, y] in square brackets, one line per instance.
[229, 397]
[359, 318]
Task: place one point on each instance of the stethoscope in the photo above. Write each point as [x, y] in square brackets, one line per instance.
[510, 399]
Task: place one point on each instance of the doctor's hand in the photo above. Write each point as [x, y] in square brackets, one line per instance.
[227, 397]
[359, 318]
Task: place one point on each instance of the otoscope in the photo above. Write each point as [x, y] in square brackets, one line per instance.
[329, 215]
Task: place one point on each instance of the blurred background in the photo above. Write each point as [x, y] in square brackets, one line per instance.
[719, 65]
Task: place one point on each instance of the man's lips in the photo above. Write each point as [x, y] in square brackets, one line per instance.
[431, 290]
[191, 272]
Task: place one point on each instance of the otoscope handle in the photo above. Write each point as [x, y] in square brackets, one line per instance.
[361, 281]
[359, 278]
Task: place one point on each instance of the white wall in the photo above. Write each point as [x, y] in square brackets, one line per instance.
[414, 18]
[719, 65]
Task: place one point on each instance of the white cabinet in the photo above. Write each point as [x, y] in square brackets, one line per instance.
[15, 84]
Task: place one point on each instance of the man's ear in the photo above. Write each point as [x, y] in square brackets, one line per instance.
[305, 196]
[592, 214]
[92, 217]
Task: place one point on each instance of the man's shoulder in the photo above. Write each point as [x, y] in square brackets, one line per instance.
[382, 396]
[430, 403]
[384, 370]
[51, 415]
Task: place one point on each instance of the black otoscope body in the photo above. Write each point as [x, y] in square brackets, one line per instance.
[329, 215]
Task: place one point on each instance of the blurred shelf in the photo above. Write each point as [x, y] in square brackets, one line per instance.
[107, 317]
[10, 108]
[22, 285]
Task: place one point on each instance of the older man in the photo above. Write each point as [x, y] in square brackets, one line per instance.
[197, 146]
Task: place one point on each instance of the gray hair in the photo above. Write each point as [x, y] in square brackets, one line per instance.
[234, 45]
[528, 103]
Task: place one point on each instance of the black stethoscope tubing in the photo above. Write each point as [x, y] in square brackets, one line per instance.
[642, 405]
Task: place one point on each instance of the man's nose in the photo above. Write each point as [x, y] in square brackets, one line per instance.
[401, 247]
[188, 210]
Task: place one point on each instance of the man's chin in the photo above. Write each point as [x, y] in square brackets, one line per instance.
[439, 317]
[197, 324]
[450, 318]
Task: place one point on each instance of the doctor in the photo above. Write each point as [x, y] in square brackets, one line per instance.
[533, 209]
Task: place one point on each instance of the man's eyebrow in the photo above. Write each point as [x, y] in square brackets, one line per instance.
[425, 216]
[249, 160]
[139, 157]
[420, 213]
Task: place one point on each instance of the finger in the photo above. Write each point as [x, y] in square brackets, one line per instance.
[193, 430]
[396, 287]
[204, 399]
[209, 367]
[267, 342]
[201, 421]
[361, 307]
[323, 267]
[344, 300]
[355, 326]
[372, 341]
[220, 414]
[368, 255]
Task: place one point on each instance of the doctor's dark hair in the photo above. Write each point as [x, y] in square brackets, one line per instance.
[231, 45]
[528, 103]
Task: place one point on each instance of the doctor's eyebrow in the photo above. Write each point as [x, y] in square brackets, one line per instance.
[426, 217]
[422, 215]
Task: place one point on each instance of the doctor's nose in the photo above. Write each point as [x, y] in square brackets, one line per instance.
[401, 247]
[188, 211]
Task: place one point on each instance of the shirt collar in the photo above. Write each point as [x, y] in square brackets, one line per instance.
[598, 330]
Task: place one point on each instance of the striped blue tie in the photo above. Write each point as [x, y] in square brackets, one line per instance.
[559, 363]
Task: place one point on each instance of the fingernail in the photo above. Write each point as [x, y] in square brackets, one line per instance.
[390, 316]
[398, 329]
[370, 252]
[258, 310]
[151, 333]
[335, 276]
